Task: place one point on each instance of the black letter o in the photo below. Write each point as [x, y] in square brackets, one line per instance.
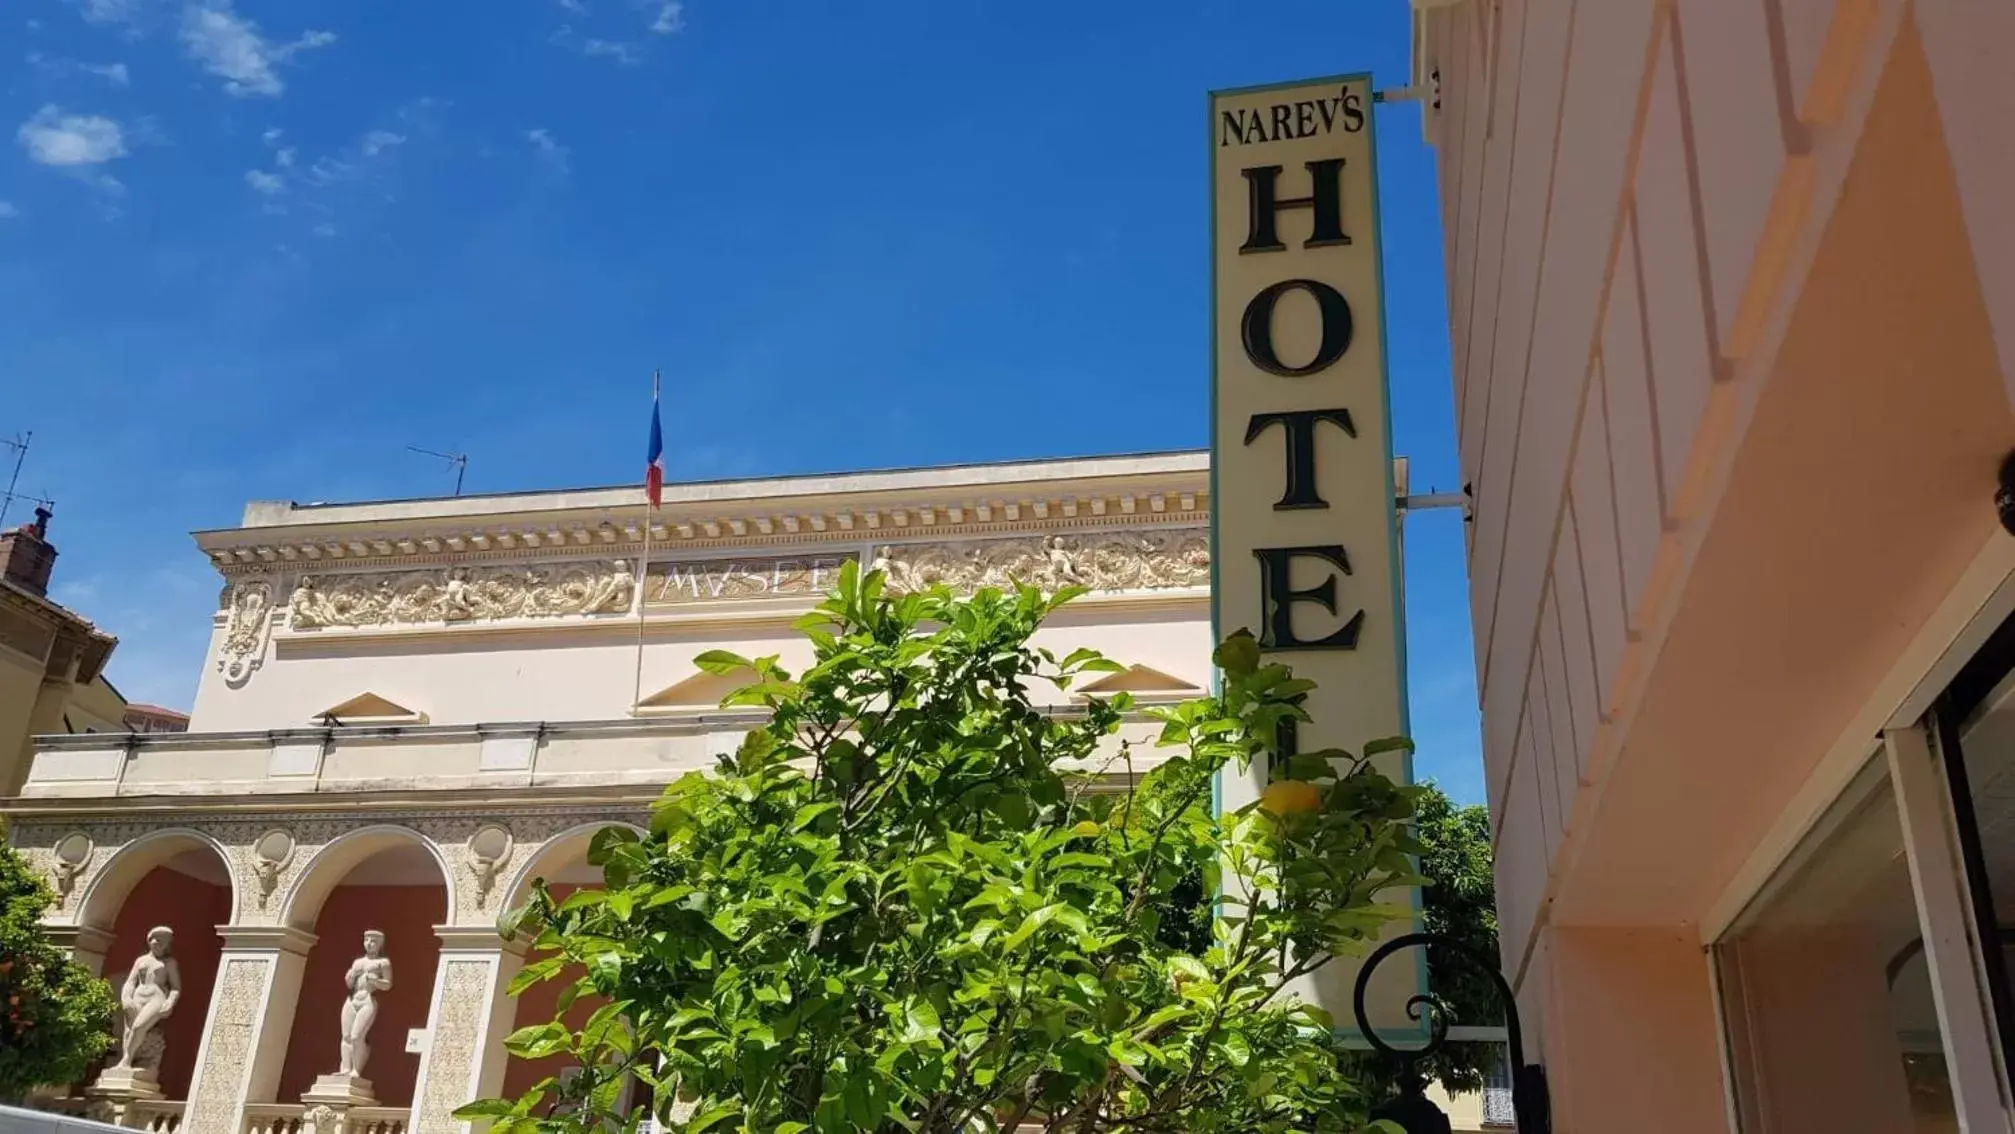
[1257, 327]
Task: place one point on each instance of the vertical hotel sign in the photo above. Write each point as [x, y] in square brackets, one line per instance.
[1305, 530]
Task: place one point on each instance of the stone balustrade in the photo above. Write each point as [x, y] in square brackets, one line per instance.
[299, 1118]
[155, 1117]
[275, 1118]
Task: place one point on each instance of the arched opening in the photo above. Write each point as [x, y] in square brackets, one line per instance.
[179, 880]
[563, 864]
[384, 879]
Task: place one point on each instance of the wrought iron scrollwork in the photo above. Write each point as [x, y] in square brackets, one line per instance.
[1529, 1099]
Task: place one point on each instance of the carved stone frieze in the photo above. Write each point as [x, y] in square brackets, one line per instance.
[248, 620]
[488, 849]
[1100, 561]
[460, 594]
[71, 854]
[271, 853]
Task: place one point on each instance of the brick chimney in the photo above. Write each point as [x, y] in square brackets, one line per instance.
[26, 555]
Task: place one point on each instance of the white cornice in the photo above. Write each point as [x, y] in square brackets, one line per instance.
[870, 507]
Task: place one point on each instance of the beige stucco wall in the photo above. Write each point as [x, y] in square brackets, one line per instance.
[96, 707]
[1732, 322]
[566, 674]
[31, 703]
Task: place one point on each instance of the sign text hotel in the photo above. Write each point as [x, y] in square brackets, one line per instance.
[1306, 537]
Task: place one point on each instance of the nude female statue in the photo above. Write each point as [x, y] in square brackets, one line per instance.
[369, 975]
[148, 997]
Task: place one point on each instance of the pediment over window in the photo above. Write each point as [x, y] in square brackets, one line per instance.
[370, 709]
[699, 693]
[1144, 682]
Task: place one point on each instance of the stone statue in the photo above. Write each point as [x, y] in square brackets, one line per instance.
[301, 605]
[1060, 567]
[886, 564]
[148, 997]
[369, 975]
[622, 588]
[456, 599]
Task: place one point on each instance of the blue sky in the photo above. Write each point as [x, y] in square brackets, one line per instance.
[253, 249]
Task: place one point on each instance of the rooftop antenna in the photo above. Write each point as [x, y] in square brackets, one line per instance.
[20, 446]
[459, 461]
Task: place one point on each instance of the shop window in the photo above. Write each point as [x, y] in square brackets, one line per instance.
[1825, 992]
[1975, 722]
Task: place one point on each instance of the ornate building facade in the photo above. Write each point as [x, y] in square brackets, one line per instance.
[412, 709]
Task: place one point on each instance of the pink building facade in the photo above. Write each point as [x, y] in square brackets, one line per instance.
[1731, 292]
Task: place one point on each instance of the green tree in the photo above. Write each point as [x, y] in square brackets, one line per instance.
[55, 1015]
[891, 911]
[1459, 903]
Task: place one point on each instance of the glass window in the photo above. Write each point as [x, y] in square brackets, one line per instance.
[1828, 1002]
[1976, 730]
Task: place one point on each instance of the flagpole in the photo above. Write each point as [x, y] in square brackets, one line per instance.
[644, 574]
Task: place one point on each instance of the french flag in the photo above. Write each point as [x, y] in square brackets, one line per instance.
[654, 466]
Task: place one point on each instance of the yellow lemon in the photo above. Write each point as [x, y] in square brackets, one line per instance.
[1291, 797]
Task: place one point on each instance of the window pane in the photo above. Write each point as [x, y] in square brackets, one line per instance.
[1831, 1022]
[1987, 748]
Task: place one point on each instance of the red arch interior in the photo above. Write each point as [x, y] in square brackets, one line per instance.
[386, 895]
[191, 895]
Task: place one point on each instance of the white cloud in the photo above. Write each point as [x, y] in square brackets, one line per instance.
[325, 229]
[110, 11]
[263, 182]
[231, 47]
[272, 137]
[622, 53]
[114, 73]
[671, 17]
[285, 158]
[328, 170]
[548, 149]
[52, 137]
[378, 141]
[574, 6]
[8, 211]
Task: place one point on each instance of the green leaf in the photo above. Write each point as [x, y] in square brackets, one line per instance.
[537, 1041]
[920, 1022]
[721, 663]
[1127, 1052]
[1388, 744]
[1236, 1049]
[811, 813]
[718, 1115]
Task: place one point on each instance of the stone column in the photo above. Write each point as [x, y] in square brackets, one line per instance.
[87, 946]
[466, 1025]
[251, 1016]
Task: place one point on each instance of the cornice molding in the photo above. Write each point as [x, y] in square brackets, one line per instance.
[691, 531]
[266, 938]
